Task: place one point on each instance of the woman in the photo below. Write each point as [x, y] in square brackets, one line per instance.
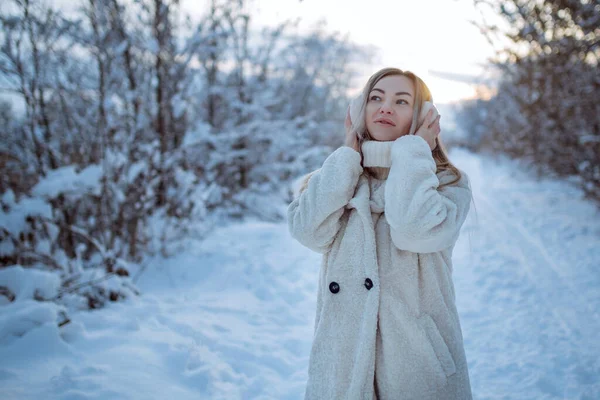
[385, 210]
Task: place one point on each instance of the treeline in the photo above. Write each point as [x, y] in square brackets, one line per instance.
[546, 108]
[137, 123]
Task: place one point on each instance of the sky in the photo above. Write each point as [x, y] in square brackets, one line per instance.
[429, 37]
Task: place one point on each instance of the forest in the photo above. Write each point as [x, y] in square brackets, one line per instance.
[127, 127]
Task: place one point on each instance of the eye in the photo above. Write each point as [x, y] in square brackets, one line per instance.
[401, 100]
[375, 98]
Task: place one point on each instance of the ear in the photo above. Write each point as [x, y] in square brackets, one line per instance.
[427, 105]
[355, 106]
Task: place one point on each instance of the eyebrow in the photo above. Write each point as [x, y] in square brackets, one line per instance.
[397, 94]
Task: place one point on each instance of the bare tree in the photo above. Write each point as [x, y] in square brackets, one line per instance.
[546, 109]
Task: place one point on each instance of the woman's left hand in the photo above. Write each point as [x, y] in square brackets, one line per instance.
[430, 130]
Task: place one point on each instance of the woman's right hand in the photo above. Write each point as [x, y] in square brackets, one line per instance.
[351, 139]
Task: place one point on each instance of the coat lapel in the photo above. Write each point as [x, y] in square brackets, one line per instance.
[361, 202]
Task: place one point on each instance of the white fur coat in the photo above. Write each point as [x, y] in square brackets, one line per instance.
[386, 324]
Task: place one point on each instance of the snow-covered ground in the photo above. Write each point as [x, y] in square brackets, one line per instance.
[232, 317]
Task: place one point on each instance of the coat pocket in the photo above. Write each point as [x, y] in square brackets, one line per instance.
[439, 345]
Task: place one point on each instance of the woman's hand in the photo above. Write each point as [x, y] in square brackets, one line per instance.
[430, 129]
[351, 139]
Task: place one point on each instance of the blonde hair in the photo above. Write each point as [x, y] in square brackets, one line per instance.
[422, 94]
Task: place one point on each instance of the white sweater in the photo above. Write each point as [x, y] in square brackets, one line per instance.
[386, 320]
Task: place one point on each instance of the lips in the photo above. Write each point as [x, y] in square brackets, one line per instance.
[385, 121]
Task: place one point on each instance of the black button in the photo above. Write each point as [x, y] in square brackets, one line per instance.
[334, 287]
[368, 283]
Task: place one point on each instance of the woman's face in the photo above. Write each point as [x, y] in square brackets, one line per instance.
[389, 109]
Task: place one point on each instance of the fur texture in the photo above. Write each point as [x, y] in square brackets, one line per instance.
[399, 338]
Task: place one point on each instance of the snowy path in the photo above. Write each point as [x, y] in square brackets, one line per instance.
[529, 296]
[232, 318]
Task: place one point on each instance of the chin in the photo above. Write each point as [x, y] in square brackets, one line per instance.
[387, 137]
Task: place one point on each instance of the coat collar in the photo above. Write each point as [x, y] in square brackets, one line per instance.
[368, 197]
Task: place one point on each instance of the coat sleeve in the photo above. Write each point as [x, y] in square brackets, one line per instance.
[423, 218]
[314, 214]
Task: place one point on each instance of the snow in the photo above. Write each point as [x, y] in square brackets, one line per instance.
[68, 179]
[14, 216]
[25, 282]
[232, 317]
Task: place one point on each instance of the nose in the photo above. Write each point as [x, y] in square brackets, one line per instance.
[386, 109]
